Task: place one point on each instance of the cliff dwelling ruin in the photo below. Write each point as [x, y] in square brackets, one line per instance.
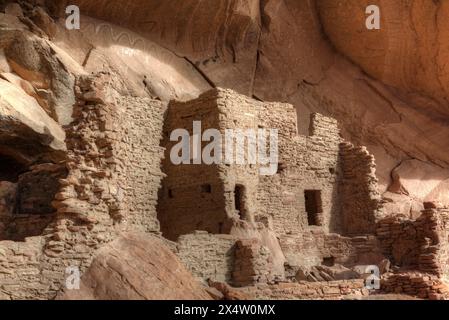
[85, 168]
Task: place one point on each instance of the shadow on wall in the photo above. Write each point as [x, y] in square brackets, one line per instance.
[193, 196]
[26, 196]
[337, 207]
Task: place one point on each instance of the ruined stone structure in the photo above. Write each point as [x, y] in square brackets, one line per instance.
[85, 145]
[317, 175]
[111, 186]
[322, 204]
[256, 228]
[419, 244]
[308, 202]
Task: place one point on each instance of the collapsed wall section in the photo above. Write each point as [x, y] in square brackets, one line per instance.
[420, 244]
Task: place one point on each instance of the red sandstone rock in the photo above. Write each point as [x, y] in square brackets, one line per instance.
[137, 266]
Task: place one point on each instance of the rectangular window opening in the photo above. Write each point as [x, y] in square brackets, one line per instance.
[239, 201]
[206, 188]
[314, 207]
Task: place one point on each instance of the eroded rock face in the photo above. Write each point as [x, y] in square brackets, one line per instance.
[137, 266]
[17, 106]
[220, 38]
[407, 55]
[421, 181]
[408, 52]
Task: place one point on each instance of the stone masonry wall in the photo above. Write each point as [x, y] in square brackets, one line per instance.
[138, 157]
[305, 163]
[203, 197]
[20, 269]
[310, 248]
[313, 247]
[421, 285]
[332, 290]
[114, 175]
[419, 244]
[193, 195]
[253, 263]
[359, 192]
[208, 256]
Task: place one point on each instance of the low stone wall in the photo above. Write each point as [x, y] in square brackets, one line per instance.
[208, 256]
[421, 285]
[419, 244]
[20, 274]
[311, 247]
[333, 290]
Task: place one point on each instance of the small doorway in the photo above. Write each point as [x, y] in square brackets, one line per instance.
[314, 207]
[240, 201]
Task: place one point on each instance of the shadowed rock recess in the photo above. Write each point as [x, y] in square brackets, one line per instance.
[87, 186]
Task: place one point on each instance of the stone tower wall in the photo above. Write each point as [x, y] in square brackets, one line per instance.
[113, 179]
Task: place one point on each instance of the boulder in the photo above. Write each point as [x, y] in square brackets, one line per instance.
[137, 266]
[421, 180]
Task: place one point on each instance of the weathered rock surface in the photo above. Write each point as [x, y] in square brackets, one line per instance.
[421, 181]
[23, 119]
[137, 266]
[144, 67]
[17, 105]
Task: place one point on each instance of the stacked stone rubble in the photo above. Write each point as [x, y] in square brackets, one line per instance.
[331, 290]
